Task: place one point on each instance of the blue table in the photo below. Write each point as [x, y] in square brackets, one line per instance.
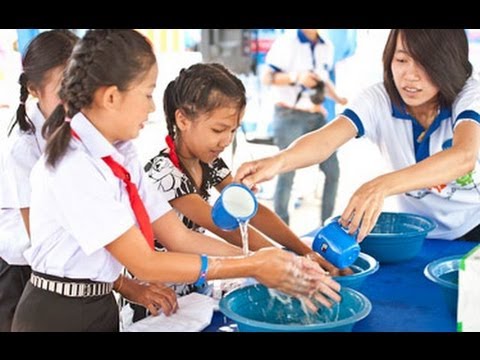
[403, 299]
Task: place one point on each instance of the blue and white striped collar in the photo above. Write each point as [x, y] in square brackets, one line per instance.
[401, 113]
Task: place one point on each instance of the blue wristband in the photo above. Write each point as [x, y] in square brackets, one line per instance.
[203, 271]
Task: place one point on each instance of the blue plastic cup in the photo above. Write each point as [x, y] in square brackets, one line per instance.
[236, 203]
[336, 245]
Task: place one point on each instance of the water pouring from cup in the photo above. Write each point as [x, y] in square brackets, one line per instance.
[234, 208]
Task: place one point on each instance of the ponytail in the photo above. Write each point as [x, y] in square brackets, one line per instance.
[58, 133]
[170, 106]
[22, 119]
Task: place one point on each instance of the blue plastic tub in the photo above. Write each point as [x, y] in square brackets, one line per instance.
[363, 267]
[396, 236]
[255, 310]
[444, 272]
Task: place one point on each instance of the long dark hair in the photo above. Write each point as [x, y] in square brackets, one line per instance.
[45, 52]
[103, 57]
[443, 53]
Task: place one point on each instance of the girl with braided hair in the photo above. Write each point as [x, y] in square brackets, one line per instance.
[43, 65]
[93, 210]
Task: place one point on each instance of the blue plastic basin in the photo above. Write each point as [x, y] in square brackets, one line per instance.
[255, 310]
[396, 236]
[444, 272]
[364, 266]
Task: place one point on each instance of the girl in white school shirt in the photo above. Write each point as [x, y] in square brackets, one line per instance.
[43, 64]
[82, 223]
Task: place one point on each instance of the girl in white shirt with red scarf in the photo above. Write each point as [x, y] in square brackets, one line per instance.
[87, 223]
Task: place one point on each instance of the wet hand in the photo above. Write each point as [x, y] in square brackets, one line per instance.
[326, 289]
[295, 275]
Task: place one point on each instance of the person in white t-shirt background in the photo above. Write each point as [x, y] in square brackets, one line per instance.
[425, 119]
[297, 65]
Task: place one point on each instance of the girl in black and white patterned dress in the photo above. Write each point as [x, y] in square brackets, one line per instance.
[203, 108]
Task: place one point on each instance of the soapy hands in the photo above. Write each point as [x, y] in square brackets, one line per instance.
[295, 275]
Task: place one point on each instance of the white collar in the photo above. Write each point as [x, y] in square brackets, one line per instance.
[93, 140]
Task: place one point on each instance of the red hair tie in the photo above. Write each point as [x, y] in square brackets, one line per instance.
[173, 153]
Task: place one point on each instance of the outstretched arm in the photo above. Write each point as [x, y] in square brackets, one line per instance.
[366, 203]
[312, 148]
[175, 236]
[272, 267]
